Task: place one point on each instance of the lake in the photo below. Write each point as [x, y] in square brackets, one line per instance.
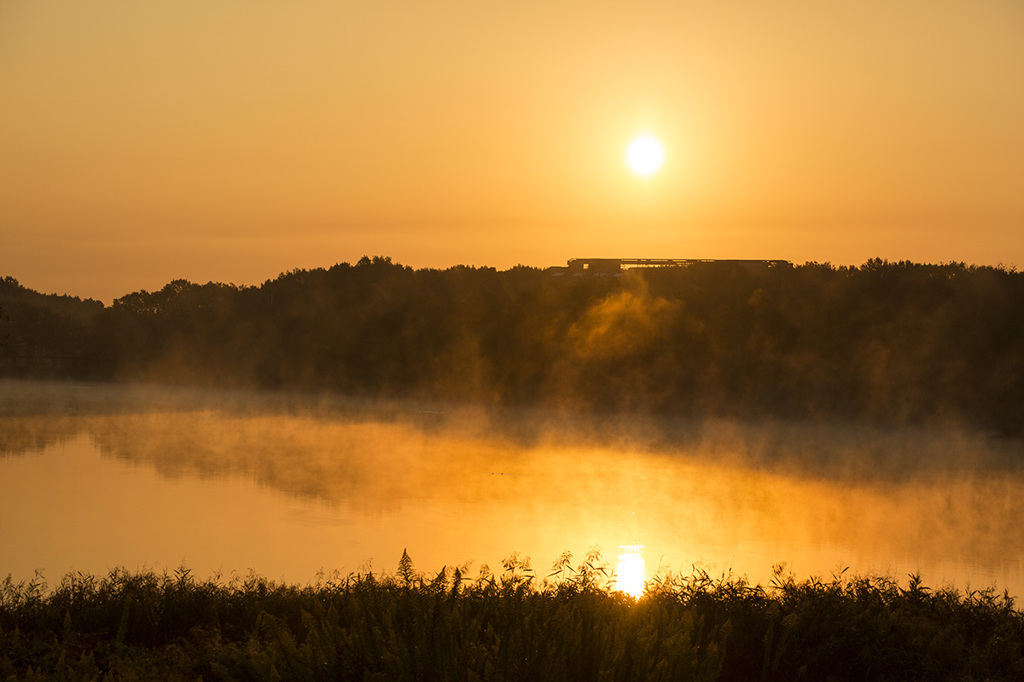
[96, 477]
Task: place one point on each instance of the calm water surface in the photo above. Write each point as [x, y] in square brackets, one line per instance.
[94, 478]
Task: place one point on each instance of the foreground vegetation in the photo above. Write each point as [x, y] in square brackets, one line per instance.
[570, 625]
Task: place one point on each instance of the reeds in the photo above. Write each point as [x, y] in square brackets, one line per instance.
[567, 625]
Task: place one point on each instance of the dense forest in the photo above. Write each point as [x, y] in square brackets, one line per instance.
[895, 341]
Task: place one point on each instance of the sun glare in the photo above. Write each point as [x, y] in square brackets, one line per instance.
[630, 571]
[645, 155]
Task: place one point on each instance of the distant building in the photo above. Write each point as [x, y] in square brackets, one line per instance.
[612, 266]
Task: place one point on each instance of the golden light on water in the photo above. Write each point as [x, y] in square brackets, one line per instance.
[630, 571]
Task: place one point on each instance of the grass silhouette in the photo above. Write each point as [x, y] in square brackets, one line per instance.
[570, 624]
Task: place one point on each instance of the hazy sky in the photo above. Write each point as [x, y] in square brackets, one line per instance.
[232, 140]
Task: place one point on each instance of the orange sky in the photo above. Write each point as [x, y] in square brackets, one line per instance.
[229, 140]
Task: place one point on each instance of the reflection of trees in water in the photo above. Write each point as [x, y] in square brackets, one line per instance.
[910, 492]
[362, 464]
[22, 435]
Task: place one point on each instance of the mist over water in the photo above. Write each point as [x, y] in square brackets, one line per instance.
[94, 477]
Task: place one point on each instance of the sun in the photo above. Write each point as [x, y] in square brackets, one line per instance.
[645, 155]
[630, 571]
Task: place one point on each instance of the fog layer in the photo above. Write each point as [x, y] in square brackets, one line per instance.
[719, 493]
[894, 343]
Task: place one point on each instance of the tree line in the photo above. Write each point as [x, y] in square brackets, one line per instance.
[889, 341]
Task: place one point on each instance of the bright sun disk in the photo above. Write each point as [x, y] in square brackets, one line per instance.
[645, 155]
[629, 574]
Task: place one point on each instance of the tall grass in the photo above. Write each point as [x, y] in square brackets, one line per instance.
[569, 624]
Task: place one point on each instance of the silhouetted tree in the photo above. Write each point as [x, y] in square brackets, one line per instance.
[884, 341]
